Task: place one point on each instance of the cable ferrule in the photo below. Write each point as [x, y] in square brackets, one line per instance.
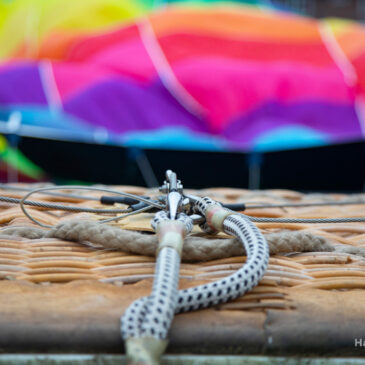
[215, 216]
[144, 350]
[171, 234]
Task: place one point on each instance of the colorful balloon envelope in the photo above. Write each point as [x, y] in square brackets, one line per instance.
[185, 76]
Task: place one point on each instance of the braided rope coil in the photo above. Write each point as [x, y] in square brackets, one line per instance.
[195, 248]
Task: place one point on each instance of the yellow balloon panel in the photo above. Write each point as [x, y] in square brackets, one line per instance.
[25, 24]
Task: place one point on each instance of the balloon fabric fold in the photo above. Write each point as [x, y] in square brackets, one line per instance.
[184, 76]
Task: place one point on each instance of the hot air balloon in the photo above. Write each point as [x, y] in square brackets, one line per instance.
[224, 77]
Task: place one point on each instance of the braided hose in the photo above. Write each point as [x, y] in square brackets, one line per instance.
[146, 322]
[241, 281]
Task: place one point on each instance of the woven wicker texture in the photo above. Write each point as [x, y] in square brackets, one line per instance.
[54, 263]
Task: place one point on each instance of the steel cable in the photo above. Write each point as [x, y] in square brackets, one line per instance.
[307, 220]
[300, 205]
[129, 212]
[69, 208]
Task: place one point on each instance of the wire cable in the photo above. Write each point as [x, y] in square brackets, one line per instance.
[60, 195]
[307, 220]
[126, 215]
[150, 203]
[92, 188]
[70, 208]
[297, 205]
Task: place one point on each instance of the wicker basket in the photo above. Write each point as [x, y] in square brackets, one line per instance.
[60, 296]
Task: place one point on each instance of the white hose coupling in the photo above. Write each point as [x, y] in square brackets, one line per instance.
[144, 350]
[171, 234]
[215, 216]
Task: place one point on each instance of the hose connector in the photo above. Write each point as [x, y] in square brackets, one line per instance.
[144, 350]
[214, 214]
[171, 233]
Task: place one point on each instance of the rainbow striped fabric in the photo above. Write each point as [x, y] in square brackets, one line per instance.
[184, 76]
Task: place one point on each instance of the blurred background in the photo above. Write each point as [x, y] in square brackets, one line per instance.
[249, 94]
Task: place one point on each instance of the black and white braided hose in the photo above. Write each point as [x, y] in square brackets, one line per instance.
[150, 317]
[147, 320]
